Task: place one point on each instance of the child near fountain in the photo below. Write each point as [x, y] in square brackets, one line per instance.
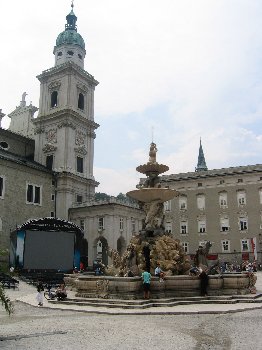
[146, 277]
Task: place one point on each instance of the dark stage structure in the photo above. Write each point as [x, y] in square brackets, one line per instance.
[46, 244]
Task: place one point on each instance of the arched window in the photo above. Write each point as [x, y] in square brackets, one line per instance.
[81, 101]
[182, 202]
[201, 201]
[241, 197]
[224, 223]
[223, 199]
[54, 99]
[100, 250]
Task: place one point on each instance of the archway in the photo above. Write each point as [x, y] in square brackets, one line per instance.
[101, 250]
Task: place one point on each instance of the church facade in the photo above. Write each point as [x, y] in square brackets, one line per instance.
[47, 161]
[46, 170]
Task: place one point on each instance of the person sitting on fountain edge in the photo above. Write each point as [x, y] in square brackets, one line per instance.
[159, 273]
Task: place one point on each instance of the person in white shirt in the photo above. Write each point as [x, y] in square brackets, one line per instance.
[159, 273]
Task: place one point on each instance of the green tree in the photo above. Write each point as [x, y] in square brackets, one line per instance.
[100, 196]
[6, 302]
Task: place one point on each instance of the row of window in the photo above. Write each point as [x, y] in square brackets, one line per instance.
[225, 245]
[54, 100]
[101, 224]
[33, 192]
[79, 163]
[221, 182]
[69, 53]
[222, 200]
[201, 225]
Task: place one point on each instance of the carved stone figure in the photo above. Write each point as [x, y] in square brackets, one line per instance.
[102, 287]
[152, 153]
[80, 138]
[146, 253]
[154, 214]
[201, 254]
[252, 282]
[152, 180]
[116, 259]
[51, 136]
[23, 96]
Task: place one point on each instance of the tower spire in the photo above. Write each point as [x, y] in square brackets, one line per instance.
[201, 163]
[71, 19]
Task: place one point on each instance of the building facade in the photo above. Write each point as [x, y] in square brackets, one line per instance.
[223, 206]
[27, 189]
[108, 224]
[46, 162]
[46, 169]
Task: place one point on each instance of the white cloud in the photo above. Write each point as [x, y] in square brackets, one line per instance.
[113, 182]
[188, 68]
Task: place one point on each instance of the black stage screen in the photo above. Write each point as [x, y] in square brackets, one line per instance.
[49, 250]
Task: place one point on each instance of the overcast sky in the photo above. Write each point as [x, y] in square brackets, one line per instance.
[186, 68]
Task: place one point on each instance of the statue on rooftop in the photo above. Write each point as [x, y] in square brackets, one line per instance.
[23, 102]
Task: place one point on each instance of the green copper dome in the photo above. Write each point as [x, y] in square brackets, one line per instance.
[70, 35]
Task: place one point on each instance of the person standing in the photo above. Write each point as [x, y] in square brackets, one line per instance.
[203, 282]
[40, 293]
[146, 277]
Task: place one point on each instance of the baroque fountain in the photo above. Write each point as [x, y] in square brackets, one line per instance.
[152, 246]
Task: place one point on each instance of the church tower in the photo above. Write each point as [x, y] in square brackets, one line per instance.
[201, 163]
[65, 127]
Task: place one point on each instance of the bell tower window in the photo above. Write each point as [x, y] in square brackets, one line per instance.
[54, 99]
[81, 101]
[49, 161]
[79, 164]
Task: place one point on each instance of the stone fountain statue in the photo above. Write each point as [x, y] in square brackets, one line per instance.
[151, 246]
[151, 195]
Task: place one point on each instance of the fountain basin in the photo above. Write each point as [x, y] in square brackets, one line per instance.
[173, 286]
